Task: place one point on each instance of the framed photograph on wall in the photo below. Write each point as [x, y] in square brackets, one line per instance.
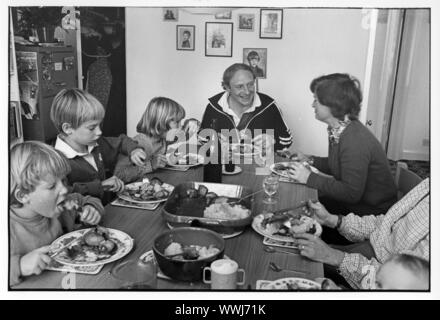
[246, 22]
[224, 15]
[256, 58]
[185, 37]
[271, 23]
[170, 14]
[218, 39]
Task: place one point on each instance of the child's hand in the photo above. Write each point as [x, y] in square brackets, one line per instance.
[113, 184]
[159, 161]
[35, 261]
[138, 157]
[90, 215]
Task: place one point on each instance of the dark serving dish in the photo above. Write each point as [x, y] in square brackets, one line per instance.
[187, 270]
[180, 211]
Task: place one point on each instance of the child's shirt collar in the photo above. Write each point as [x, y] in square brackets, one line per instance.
[68, 151]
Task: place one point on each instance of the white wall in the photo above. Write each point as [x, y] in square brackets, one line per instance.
[314, 42]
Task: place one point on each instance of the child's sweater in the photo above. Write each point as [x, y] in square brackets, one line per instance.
[129, 172]
[27, 235]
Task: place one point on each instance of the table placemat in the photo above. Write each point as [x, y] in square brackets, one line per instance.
[276, 243]
[262, 285]
[146, 206]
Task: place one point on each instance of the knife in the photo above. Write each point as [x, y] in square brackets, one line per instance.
[70, 243]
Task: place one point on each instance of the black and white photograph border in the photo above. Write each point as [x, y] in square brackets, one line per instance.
[434, 157]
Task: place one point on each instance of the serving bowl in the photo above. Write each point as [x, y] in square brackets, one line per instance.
[177, 213]
[186, 270]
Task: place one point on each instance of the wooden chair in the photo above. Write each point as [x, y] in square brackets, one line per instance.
[405, 179]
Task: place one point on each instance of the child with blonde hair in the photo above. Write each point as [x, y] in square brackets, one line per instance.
[38, 202]
[77, 115]
[161, 116]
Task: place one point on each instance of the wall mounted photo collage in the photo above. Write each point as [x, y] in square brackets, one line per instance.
[219, 35]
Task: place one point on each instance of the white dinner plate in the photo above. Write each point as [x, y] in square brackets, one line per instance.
[181, 165]
[257, 226]
[136, 185]
[123, 242]
[282, 173]
[297, 283]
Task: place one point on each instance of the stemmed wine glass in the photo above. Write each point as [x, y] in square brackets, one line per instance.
[270, 186]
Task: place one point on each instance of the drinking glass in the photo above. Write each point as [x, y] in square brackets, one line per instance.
[270, 186]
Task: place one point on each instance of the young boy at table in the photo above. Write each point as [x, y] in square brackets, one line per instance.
[38, 202]
[77, 115]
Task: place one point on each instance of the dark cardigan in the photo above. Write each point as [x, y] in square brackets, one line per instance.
[362, 180]
[85, 180]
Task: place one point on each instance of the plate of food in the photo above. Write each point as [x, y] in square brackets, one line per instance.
[283, 227]
[285, 169]
[147, 191]
[292, 284]
[186, 161]
[92, 246]
[244, 149]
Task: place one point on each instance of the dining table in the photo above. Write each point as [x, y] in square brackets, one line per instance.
[246, 248]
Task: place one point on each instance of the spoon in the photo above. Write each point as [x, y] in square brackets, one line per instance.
[272, 250]
[249, 195]
[274, 267]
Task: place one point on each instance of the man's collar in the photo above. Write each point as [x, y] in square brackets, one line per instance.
[223, 103]
[68, 151]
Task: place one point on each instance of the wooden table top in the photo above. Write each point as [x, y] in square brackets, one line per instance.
[144, 226]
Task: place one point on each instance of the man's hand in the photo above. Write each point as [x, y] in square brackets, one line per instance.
[314, 248]
[318, 212]
[35, 261]
[113, 184]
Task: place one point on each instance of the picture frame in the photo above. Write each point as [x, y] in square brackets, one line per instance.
[271, 23]
[185, 37]
[246, 22]
[224, 15]
[256, 58]
[170, 14]
[218, 39]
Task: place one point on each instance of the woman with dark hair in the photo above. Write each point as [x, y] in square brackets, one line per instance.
[360, 180]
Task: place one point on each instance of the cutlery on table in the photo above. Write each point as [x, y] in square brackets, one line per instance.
[272, 250]
[70, 243]
[274, 267]
[249, 195]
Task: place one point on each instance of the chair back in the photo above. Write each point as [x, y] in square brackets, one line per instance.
[405, 179]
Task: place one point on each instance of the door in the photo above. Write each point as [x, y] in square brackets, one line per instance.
[409, 131]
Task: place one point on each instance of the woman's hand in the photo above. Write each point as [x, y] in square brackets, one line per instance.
[300, 172]
[138, 157]
[314, 248]
[90, 215]
[113, 184]
[318, 212]
[35, 261]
